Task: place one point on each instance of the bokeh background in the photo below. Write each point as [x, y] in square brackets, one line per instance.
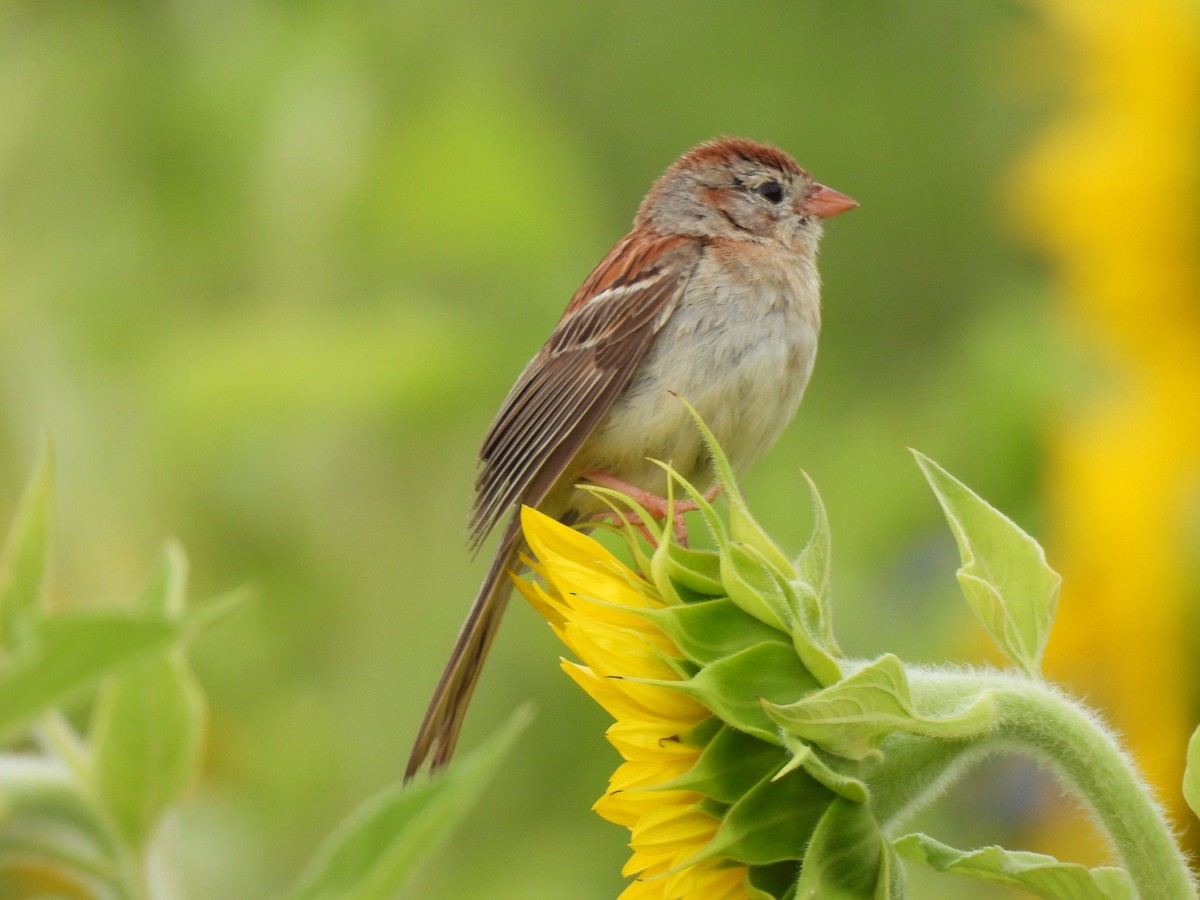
[267, 269]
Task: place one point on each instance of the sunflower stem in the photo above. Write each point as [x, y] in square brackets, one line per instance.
[1033, 718]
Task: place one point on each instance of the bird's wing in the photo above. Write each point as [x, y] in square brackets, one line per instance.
[566, 389]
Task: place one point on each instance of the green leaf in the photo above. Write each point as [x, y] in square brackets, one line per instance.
[697, 570]
[853, 717]
[751, 585]
[25, 559]
[811, 650]
[774, 882]
[848, 858]
[622, 508]
[712, 630]
[147, 728]
[772, 822]
[806, 758]
[753, 891]
[73, 651]
[731, 763]
[712, 521]
[811, 584]
[146, 737]
[373, 852]
[1035, 873]
[207, 613]
[166, 588]
[1004, 574]
[1191, 774]
[733, 687]
[743, 528]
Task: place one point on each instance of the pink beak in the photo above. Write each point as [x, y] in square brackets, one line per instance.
[825, 202]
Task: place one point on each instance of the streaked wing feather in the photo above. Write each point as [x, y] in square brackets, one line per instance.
[504, 482]
[564, 393]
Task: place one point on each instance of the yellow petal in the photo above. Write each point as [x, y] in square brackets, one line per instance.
[643, 890]
[553, 542]
[608, 649]
[674, 829]
[630, 807]
[590, 600]
[624, 699]
[636, 740]
[650, 772]
[707, 880]
[546, 606]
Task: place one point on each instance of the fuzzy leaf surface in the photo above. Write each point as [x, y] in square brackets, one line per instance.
[749, 584]
[849, 859]
[806, 758]
[696, 570]
[713, 630]
[812, 582]
[772, 822]
[1004, 574]
[732, 687]
[731, 763]
[854, 716]
[742, 526]
[1035, 873]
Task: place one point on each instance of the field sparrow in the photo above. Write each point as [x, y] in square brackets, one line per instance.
[714, 296]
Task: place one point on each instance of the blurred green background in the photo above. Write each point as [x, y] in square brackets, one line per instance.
[267, 269]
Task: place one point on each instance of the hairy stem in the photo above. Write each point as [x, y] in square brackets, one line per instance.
[1034, 718]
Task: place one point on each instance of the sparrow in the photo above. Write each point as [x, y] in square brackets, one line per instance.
[713, 296]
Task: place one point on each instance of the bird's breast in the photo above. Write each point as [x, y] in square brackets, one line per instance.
[739, 349]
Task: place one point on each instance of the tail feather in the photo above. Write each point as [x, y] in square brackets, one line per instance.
[436, 739]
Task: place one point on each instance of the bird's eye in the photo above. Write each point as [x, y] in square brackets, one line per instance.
[770, 190]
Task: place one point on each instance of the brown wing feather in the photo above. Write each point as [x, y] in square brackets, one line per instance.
[556, 403]
[590, 356]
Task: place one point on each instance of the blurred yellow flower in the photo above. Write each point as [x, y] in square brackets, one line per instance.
[1111, 195]
[590, 600]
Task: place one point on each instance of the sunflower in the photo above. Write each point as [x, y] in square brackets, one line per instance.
[597, 606]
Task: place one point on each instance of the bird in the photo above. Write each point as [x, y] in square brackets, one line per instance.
[714, 297]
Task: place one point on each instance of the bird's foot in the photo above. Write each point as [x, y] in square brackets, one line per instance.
[658, 507]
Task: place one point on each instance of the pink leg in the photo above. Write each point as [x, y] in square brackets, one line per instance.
[658, 507]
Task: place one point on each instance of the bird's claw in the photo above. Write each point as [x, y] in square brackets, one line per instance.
[657, 507]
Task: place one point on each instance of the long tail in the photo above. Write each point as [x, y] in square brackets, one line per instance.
[448, 708]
